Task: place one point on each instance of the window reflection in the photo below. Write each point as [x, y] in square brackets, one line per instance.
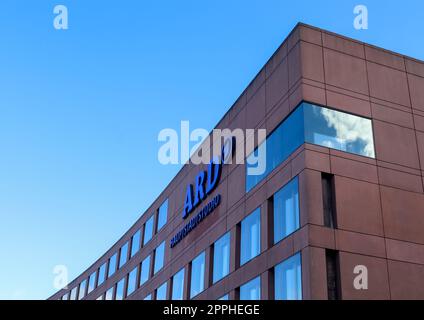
[82, 288]
[159, 257]
[317, 125]
[178, 285]
[135, 243]
[145, 270]
[288, 279]
[161, 292]
[197, 275]
[250, 245]
[73, 294]
[338, 130]
[148, 230]
[162, 214]
[123, 256]
[92, 282]
[132, 281]
[221, 257]
[112, 265]
[109, 294]
[283, 141]
[286, 210]
[102, 274]
[120, 290]
[251, 290]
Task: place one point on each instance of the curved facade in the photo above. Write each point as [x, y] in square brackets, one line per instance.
[342, 192]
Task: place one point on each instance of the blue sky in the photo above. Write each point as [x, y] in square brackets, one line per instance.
[80, 110]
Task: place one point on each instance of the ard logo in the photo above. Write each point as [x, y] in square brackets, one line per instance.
[206, 181]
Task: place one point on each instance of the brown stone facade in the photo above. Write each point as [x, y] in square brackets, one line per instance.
[379, 202]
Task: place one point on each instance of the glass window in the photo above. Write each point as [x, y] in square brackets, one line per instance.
[161, 292]
[148, 230]
[123, 256]
[197, 275]
[286, 210]
[102, 274]
[109, 294]
[132, 281]
[92, 282]
[250, 245]
[148, 297]
[159, 257]
[338, 130]
[251, 290]
[312, 124]
[224, 297]
[82, 288]
[112, 265]
[100, 297]
[221, 257]
[288, 279]
[178, 285]
[162, 214]
[65, 296]
[74, 294]
[135, 243]
[120, 289]
[145, 270]
[283, 141]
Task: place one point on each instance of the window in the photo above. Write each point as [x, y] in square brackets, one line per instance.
[197, 275]
[332, 260]
[178, 285]
[132, 281]
[74, 294]
[123, 256]
[148, 297]
[100, 297]
[221, 257]
[145, 270]
[112, 265]
[312, 124]
[328, 200]
[109, 294]
[286, 210]
[251, 290]
[148, 230]
[250, 245]
[224, 297]
[92, 282]
[161, 292]
[102, 274]
[82, 288]
[159, 257]
[283, 141]
[65, 296]
[120, 289]
[288, 279]
[162, 214]
[135, 243]
[338, 130]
